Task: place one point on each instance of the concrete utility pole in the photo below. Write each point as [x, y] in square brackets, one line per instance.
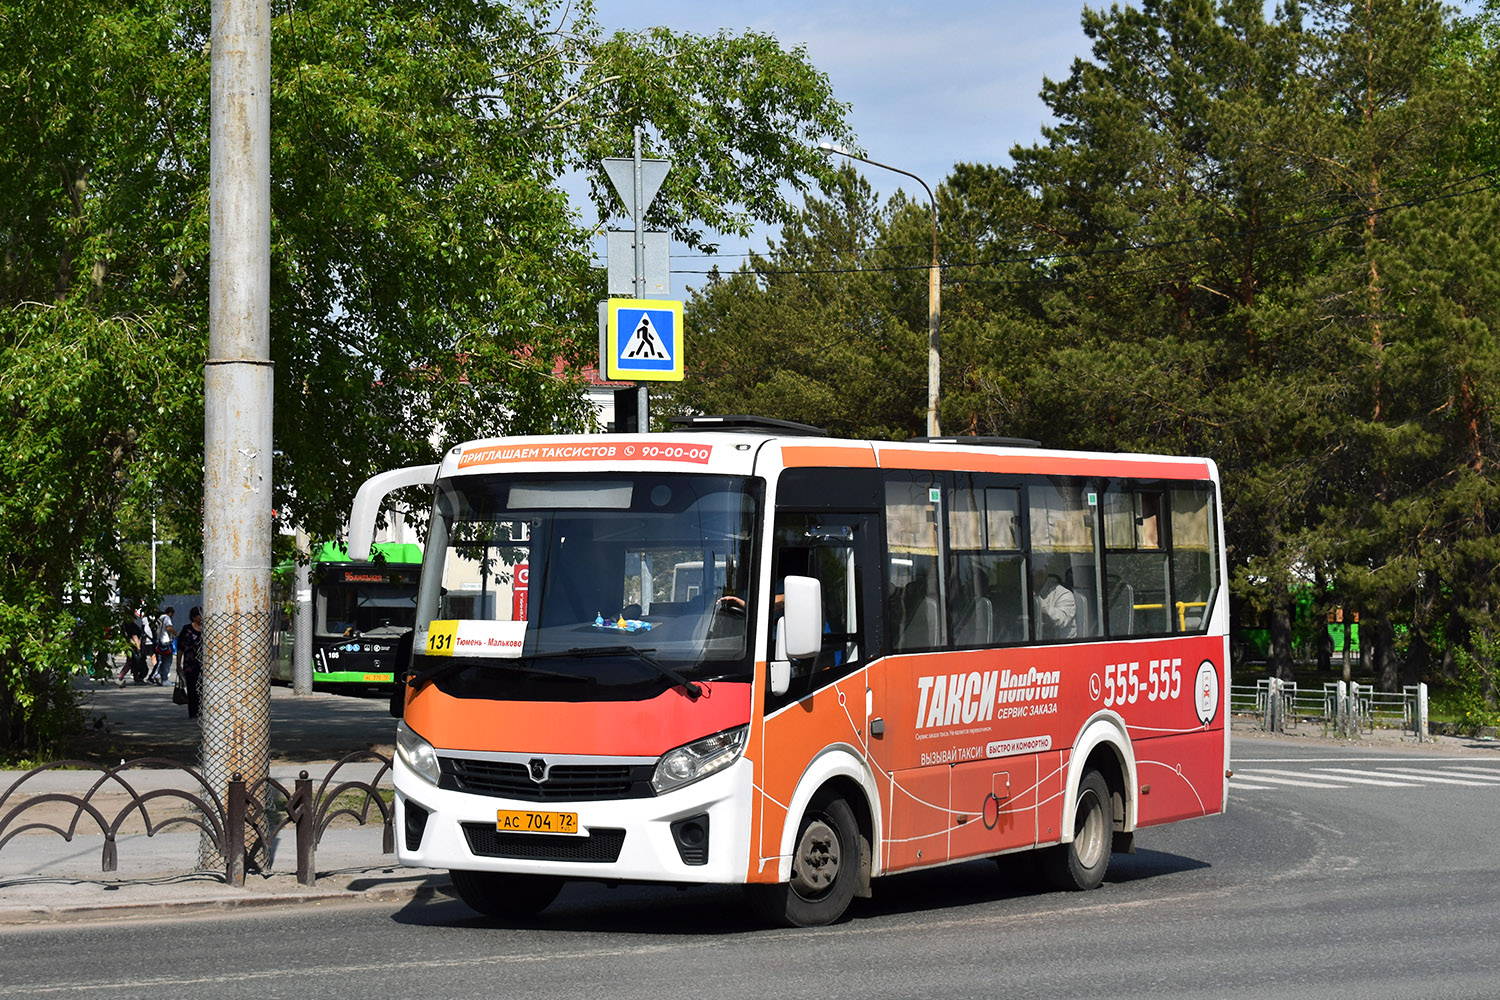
[237, 389]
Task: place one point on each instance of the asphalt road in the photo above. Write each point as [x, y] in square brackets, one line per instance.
[1338, 872]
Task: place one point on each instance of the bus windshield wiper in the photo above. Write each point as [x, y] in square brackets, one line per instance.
[693, 688]
[443, 669]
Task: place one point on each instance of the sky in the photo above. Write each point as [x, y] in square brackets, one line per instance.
[930, 84]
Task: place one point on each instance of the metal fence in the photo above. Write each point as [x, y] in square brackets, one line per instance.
[240, 824]
[1339, 709]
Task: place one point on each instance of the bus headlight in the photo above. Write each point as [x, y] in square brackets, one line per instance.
[416, 752]
[699, 759]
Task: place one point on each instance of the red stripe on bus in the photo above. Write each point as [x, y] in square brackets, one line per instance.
[1045, 465]
[825, 456]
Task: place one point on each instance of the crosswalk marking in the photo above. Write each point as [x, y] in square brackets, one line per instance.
[1383, 773]
[1273, 776]
[1487, 773]
[1428, 774]
[1362, 777]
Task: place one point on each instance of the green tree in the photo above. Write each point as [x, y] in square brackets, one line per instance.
[1391, 149]
[1260, 236]
[813, 329]
[1213, 229]
[429, 277]
[1154, 221]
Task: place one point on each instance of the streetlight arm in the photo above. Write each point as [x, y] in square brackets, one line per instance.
[828, 147]
[934, 287]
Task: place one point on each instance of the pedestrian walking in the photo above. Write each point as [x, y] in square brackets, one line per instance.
[166, 637]
[189, 659]
[139, 638]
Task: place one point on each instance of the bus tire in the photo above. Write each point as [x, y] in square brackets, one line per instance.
[1080, 865]
[827, 859]
[496, 894]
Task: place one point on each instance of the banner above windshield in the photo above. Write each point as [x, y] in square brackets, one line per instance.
[637, 451]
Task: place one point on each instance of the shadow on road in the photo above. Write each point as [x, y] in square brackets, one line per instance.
[721, 910]
[140, 721]
[1150, 864]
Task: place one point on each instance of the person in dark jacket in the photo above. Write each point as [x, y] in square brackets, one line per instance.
[139, 638]
[190, 659]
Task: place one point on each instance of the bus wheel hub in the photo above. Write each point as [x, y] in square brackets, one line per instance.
[815, 864]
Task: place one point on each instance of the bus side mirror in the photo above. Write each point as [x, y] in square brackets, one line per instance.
[781, 677]
[802, 616]
[367, 503]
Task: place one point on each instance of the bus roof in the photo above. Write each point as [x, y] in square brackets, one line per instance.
[747, 445]
[391, 552]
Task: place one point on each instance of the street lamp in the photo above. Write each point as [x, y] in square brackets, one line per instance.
[934, 287]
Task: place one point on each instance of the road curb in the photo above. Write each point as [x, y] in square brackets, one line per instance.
[236, 900]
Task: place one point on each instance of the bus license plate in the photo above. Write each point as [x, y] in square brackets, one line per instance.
[526, 821]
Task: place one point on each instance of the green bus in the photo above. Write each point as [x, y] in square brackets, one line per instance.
[360, 610]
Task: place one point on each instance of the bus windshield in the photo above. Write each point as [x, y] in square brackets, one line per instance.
[345, 609]
[592, 580]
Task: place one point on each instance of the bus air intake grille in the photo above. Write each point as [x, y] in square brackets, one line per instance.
[564, 782]
[599, 847]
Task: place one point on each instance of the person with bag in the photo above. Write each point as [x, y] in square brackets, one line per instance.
[138, 636]
[190, 663]
[166, 635]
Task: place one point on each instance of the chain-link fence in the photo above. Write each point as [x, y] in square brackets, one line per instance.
[236, 712]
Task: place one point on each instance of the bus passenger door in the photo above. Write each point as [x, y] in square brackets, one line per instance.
[825, 703]
[909, 751]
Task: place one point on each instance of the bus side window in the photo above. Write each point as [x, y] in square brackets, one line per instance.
[1064, 589]
[914, 585]
[1137, 583]
[827, 548]
[986, 582]
[1195, 558]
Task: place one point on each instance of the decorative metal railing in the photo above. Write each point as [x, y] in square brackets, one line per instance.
[236, 829]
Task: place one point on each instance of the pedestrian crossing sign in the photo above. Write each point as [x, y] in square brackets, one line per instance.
[642, 340]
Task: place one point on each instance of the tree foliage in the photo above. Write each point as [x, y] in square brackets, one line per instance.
[814, 324]
[1263, 236]
[430, 280]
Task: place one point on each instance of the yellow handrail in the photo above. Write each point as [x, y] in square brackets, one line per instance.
[1182, 607]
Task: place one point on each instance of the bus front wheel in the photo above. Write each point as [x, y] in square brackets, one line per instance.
[826, 860]
[496, 894]
[1080, 865]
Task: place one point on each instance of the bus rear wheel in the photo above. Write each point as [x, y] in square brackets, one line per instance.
[1080, 865]
[496, 894]
[827, 858]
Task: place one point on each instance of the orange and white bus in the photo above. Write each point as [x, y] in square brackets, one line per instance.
[744, 652]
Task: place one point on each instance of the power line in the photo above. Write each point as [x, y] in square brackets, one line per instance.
[1306, 227]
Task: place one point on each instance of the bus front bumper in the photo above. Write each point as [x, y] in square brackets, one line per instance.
[698, 833]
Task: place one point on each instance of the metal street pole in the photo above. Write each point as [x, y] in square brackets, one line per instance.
[642, 390]
[302, 658]
[934, 288]
[237, 390]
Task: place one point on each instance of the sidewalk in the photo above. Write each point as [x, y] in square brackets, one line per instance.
[140, 721]
[45, 878]
[1249, 728]
[156, 877]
